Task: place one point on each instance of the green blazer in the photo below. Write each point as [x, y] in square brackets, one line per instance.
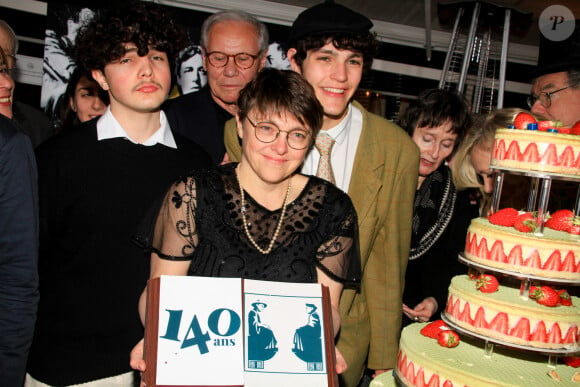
[382, 189]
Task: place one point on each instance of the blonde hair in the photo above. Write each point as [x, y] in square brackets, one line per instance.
[480, 134]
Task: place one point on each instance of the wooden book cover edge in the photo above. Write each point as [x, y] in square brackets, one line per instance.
[329, 338]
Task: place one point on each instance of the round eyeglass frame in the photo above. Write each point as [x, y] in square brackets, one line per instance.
[255, 125]
[545, 98]
[209, 56]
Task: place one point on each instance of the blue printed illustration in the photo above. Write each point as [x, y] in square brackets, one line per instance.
[262, 345]
[307, 339]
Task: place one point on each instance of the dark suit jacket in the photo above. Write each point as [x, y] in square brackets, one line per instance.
[33, 122]
[18, 251]
[197, 117]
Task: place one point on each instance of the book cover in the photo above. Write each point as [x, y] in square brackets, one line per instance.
[203, 331]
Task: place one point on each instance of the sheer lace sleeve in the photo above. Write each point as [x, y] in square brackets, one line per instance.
[174, 235]
[339, 256]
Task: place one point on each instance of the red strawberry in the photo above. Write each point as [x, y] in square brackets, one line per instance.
[533, 291]
[432, 329]
[564, 130]
[572, 361]
[448, 339]
[574, 229]
[526, 222]
[545, 125]
[486, 283]
[504, 217]
[560, 220]
[522, 120]
[576, 128]
[565, 298]
[547, 296]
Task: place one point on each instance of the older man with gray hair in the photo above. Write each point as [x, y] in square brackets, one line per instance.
[234, 47]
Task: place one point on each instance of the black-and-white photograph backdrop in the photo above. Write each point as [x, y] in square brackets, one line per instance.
[414, 37]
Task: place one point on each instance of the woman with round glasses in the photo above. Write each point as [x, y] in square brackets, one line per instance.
[261, 219]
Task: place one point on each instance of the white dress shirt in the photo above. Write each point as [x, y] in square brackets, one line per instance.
[109, 127]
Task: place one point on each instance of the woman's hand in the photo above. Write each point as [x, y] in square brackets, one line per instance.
[136, 360]
[423, 311]
[341, 365]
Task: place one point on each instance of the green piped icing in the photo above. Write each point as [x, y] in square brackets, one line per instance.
[467, 364]
[509, 297]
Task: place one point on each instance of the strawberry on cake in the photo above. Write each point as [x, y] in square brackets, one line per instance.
[506, 316]
[536, 151]
[555, 255]
[423, 362]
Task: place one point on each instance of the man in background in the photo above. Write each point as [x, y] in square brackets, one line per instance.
[28, 118]
[371, 159]
[556, 87]
[234, 45]
[18, 251]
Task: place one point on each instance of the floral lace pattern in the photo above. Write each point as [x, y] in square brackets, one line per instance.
[200, 220]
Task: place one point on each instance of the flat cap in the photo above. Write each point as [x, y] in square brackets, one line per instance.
[328, 17]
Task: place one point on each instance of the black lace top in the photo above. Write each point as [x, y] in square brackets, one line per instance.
[200, 220]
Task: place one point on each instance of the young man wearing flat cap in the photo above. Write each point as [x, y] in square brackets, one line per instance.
[374, 161]
[556, 88]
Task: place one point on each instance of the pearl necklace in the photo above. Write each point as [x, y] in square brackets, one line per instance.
[278, 226]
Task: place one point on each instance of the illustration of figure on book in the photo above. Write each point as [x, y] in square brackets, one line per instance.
[307, 339]
[262, 345]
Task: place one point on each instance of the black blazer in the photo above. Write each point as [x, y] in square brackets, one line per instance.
[197, 117]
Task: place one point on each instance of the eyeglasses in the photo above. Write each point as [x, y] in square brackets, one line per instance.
[544, 98]
[268, 132]
[220, 59]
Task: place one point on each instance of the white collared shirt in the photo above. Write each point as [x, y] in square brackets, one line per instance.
[346, 136]
[109, 127]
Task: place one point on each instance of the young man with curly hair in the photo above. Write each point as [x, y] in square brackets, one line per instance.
[375, 162]
[95, 184]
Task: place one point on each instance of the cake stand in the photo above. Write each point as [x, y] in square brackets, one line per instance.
[537, 201]
[541, 182]
[525, 277]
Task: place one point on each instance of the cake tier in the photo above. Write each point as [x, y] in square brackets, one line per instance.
[556, 254]
[537, 151]
[506, 316]
[423, 362]
[386, 379]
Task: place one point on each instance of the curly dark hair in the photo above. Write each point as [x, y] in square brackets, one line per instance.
[145, 24]
[367, 44]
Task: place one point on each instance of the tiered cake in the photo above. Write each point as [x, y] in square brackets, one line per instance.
[531, 336]
[555, 254]
[528, 150]
[506, 316]
[423, 362]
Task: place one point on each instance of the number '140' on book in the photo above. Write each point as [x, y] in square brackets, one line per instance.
[203, 331]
